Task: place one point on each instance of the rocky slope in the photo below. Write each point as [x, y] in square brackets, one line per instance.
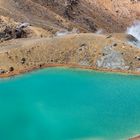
[53, 20]
[102, 52]
[61, 21]
[87, 15]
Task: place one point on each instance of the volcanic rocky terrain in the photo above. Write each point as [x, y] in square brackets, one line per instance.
[73, 33]
[81, 33]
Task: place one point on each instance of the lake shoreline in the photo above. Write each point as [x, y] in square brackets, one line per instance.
[31, 69]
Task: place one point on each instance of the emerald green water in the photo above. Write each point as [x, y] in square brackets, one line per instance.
[68, 104]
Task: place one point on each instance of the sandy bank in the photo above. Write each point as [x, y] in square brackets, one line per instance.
[135, 138]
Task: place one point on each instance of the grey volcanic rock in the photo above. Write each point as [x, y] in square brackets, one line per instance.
[137, 69]
[133, 41]
[84, 62]
[111, 59]
[2, 71]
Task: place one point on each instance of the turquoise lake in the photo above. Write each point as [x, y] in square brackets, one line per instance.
[69, 104]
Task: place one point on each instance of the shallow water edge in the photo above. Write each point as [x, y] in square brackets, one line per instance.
[13, 73]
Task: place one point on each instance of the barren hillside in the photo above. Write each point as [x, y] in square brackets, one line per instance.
[86, 15]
